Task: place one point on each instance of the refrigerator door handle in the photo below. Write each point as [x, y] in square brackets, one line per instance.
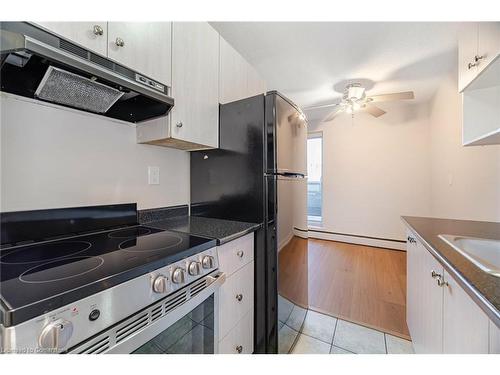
[286, 174]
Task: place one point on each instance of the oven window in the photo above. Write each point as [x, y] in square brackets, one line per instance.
[192, 334]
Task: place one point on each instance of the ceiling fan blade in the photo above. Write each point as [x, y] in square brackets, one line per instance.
[373, 110]
[321, 106]
[332, 114]
[394, 96]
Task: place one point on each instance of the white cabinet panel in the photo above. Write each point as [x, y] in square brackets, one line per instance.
[467, 49]
[431, 300]
[195, 83]
[146, 47]
[236, 298]
[233, 74]
[235, 254]
[465, 325]
[413, 290]
[91, 35]
[238, 79]
[240, 339]
[488, 43]
[255, 84]
[494, 346]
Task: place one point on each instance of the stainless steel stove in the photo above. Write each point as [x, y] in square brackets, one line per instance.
[118, 287]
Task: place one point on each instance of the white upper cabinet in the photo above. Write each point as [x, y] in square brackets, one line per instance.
[233, 74]
[91, 35]
[467, 41]
[479, 82]
[143, 46]
[478, 46]
[195, 84]
[488, 43]
[238, 79]
[255, 84]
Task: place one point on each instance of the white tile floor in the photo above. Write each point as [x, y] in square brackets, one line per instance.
[303, 331]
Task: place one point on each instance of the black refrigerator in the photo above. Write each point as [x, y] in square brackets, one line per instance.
[261, 154]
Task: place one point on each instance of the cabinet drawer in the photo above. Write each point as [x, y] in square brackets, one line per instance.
[235, 254]
[240, 338]
[236, 298]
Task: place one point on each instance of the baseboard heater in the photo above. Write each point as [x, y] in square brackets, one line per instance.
[389, 243]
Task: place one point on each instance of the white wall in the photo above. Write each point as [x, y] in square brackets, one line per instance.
[375, 170]
[465, 181]
[61, 158]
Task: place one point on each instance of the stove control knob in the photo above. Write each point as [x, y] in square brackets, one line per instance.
[194, 268]
[56, 334]
[160, 284]
[207, 262]
[178, 276]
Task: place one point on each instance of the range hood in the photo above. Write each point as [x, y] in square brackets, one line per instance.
[38, 64]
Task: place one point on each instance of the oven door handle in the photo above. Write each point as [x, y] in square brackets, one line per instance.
[215, 281]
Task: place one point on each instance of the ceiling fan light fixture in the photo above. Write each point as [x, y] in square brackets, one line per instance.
[355, 92]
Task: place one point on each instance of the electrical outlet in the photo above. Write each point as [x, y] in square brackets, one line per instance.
[153, 175]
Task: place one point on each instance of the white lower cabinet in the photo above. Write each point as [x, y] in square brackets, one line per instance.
[424, 299]
[441, 316]
[240, 339]
[236, 296]
[494, 347]
[465, 325]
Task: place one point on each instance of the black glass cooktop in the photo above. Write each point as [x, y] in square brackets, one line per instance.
[44, 276]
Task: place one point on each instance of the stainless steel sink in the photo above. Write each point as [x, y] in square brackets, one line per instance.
[483, 252]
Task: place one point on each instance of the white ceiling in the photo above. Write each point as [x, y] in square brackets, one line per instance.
[307, 61]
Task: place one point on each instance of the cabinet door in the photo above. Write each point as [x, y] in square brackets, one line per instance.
[467, 50]
[233, 74]
[465, 325]
[432, 304]
[489, 43]
[91, 35]
[240, 339]
[143, 46]
[195, 83]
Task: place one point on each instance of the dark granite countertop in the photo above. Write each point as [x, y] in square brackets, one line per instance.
[481, 286]
[221, 230]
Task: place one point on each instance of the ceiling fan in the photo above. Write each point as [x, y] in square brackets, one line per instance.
[354, 99]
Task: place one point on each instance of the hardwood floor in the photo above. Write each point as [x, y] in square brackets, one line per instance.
[363, 284]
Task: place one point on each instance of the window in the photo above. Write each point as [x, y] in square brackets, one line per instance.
[314, 181]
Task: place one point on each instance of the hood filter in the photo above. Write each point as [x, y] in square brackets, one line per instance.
[62, 87]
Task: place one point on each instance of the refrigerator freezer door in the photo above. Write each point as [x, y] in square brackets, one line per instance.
[291, 140]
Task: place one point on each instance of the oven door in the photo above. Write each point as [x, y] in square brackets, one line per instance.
[185, 322]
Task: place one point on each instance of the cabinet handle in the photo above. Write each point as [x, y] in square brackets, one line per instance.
[439, 278]
[240, 254]
[478, 57]
[179, 124]
[441, 282]
[120, 42]
[471, 65]
[239, 349]
[239, 297]
[98, 30]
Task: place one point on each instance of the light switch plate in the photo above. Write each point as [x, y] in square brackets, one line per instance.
[153, 175]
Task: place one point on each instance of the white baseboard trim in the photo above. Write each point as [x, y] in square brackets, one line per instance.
[358, 240]
[285, 241]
